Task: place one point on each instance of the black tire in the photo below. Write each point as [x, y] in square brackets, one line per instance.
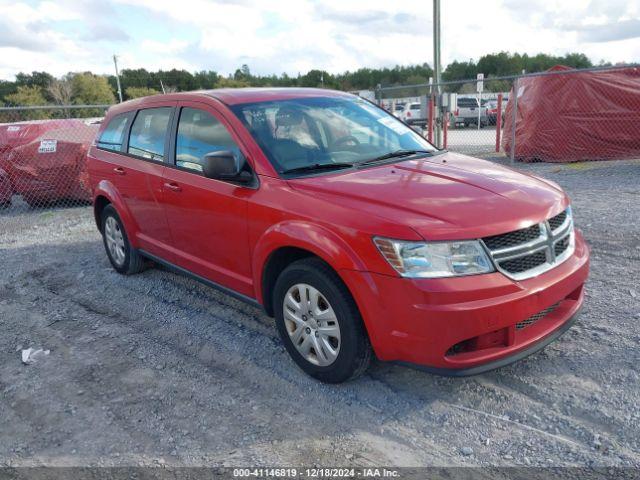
[355, 350]
[133, 261]
[36, 203]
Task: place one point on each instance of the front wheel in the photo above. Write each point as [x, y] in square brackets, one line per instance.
[319, 322]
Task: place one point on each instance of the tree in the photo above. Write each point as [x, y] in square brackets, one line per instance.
[90, 89]
[224, 82]
[460, 71]
[243, 73]
[60, 91]
[26, 96]
[137, 92]
[206, 79]
[35, 79]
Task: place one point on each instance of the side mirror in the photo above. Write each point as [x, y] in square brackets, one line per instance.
[224, 165]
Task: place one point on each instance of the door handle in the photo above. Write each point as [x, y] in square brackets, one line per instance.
[174, 187]
[119, 170]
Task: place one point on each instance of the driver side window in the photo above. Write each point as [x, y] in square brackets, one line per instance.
[200, 133]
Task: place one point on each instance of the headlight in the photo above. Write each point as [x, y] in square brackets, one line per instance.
[434, 260]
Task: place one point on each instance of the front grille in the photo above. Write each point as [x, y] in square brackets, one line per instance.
[524, 253]
[534, 318]
[561, 246]
[514, 238]
[557, 221]
[522, 264]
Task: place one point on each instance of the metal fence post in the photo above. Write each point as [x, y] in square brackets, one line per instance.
[430, 120]
[514, 120]
[445, 129]
[498, 122]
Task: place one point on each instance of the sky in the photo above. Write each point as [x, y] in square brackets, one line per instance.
[294, 36]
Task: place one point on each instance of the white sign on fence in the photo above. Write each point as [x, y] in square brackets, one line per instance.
[480, 82]
[48, 146]
[13, 128]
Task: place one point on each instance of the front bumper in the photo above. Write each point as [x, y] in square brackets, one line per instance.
[423, 322]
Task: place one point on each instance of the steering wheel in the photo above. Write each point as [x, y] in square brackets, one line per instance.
[346, 139]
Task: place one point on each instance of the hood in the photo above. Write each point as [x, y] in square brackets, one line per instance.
[445, 197]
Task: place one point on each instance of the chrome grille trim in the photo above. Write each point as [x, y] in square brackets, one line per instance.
[545, 242]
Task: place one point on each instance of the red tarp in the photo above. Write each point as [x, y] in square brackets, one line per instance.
[16, 134]
[53, 166]
[576, 116]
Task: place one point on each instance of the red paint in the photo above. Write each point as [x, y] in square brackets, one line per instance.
[226, 233]
[498, 122]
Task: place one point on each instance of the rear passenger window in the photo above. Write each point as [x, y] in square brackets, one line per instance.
[148, 133]
[113, 135]
[200, 133]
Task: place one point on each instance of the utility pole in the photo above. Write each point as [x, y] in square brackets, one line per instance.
[115, 62]
[436, 64]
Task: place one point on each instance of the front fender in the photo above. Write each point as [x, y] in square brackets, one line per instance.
[331, 248]
[314, 238]
[107, 190]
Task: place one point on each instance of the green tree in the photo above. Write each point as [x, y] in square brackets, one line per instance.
[206, 79]
[26, 96]
[460, 71]
[90, 89]
[224, 82]
[34, 79]
[137, 92]
[243, 73]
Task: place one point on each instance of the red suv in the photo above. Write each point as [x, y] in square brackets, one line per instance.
[348, 227]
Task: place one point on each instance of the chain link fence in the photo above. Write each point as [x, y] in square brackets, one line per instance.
[562, 115]
[43, 156]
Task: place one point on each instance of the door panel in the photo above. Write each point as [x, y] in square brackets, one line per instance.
[141, 179]
[207, 218]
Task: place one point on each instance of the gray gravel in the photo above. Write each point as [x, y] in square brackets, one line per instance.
[158, 369]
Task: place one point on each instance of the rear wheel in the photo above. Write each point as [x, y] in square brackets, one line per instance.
[319, 322]
[124, 258]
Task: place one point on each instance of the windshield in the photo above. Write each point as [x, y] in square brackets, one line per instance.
[304, 132]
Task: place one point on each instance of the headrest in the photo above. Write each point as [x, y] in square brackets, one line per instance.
[287, 117]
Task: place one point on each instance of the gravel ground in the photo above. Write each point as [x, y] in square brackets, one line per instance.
[158, 369]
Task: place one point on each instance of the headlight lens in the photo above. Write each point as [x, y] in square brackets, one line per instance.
[434, 260]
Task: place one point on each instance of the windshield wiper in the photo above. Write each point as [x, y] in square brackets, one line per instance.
[318, 166]
[394, 154]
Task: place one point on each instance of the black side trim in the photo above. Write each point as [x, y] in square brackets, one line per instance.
[209, 283]
[487, 367]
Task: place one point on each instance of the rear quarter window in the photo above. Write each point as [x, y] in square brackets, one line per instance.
[467, 102]
[112, 136]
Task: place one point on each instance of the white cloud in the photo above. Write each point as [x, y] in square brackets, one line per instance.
[171, 47]
[296, 35]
